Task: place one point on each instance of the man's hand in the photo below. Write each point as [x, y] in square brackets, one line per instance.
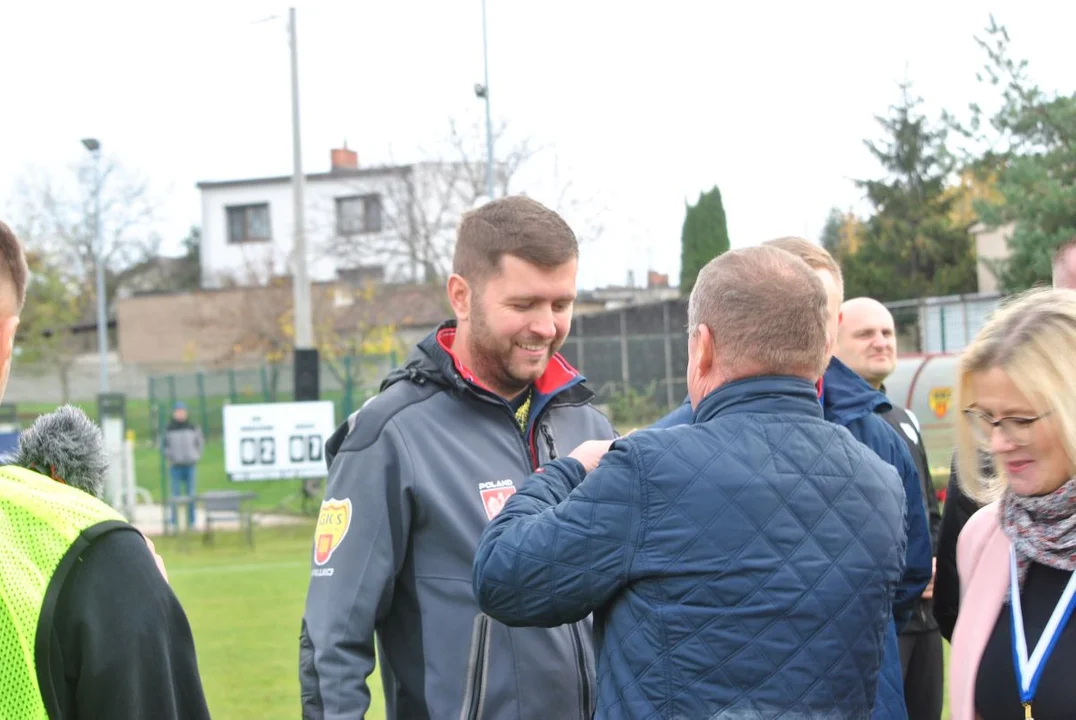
[590, 453]
[928, 593]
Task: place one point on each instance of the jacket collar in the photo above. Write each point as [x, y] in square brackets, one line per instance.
[765, 394]
[433, 359]
[848, 397]
[558, 373]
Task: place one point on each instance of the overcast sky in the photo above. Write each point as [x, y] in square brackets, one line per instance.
[639, 108]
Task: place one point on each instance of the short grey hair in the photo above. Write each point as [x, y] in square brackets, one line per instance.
[767, 311]
[67, 445]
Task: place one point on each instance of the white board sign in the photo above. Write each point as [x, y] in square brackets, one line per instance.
[277, 441]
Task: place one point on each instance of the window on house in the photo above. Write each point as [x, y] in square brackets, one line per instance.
[358, 214]
[249, 223]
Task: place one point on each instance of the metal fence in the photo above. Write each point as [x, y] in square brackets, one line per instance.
[348, 383]
[634, 359]
[941, 324]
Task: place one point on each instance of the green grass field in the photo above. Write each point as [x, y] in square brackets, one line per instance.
[245, 607]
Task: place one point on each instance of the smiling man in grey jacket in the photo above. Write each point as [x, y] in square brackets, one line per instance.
[420, 471]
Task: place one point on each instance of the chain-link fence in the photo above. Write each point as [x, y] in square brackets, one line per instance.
[634, 359]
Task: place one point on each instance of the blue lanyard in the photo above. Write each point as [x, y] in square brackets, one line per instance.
[1029, 670]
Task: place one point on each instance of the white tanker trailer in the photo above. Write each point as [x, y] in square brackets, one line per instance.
[926, 385]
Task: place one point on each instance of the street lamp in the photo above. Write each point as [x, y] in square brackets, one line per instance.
[94, 147]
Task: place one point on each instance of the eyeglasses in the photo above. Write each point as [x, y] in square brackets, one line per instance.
[1016, 429]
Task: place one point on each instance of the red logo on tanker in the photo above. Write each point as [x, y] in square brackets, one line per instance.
[495, 494]
[333, 523]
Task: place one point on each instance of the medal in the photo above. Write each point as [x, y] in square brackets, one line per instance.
[1029, 670]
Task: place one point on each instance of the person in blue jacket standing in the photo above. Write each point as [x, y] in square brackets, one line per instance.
[741, 566]
[849, 401]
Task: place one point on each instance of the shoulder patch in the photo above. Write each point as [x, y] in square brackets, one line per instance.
[333, 523]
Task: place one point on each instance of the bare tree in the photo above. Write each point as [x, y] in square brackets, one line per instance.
[55, 217]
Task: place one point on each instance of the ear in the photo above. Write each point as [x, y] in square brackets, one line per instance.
[460, 297]
[8, 326]
[706, 352]
[840, 318]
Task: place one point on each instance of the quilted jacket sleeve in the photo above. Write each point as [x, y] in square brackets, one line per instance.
[563, 545]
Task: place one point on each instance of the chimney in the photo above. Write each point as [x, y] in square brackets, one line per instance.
[654, 279]
[344, 159]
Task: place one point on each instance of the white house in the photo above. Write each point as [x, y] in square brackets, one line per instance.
[401, 218]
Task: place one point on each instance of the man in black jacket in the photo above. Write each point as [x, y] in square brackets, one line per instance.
[866, 343]
[89, 627]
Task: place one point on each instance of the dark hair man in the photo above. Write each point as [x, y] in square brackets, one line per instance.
[419, 472]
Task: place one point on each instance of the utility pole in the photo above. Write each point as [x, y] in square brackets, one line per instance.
[306, 355]
[94, 146]
[482, 92]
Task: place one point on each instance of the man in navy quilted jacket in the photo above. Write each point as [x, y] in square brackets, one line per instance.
[740, 565]
[849, 401]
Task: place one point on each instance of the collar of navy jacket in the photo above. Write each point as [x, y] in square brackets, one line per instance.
[779, 394]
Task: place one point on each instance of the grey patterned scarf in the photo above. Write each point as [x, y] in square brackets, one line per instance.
[1042, 528]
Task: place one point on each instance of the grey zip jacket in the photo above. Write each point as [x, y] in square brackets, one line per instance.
[415, 476]
[183, 443]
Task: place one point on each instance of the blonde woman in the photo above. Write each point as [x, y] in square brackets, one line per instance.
[1014, 653]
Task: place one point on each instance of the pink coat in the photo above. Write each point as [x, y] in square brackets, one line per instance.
[982, 560]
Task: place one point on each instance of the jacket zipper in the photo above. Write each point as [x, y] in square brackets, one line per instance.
[584, 678]
[550, 444]
[475, 693]
[531, 449]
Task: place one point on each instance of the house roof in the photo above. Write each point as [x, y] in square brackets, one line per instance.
[339, 174]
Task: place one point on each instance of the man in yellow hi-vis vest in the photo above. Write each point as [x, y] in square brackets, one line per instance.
[89, 627]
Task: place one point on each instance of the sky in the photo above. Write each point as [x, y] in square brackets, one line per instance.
[637, 109]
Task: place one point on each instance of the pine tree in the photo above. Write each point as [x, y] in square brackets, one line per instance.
[831, 233]
[911, 245]
[704, 236]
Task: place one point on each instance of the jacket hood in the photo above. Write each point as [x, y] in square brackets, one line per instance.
[846, 397]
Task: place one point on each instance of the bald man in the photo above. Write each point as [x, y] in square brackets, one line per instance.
[867, 343]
